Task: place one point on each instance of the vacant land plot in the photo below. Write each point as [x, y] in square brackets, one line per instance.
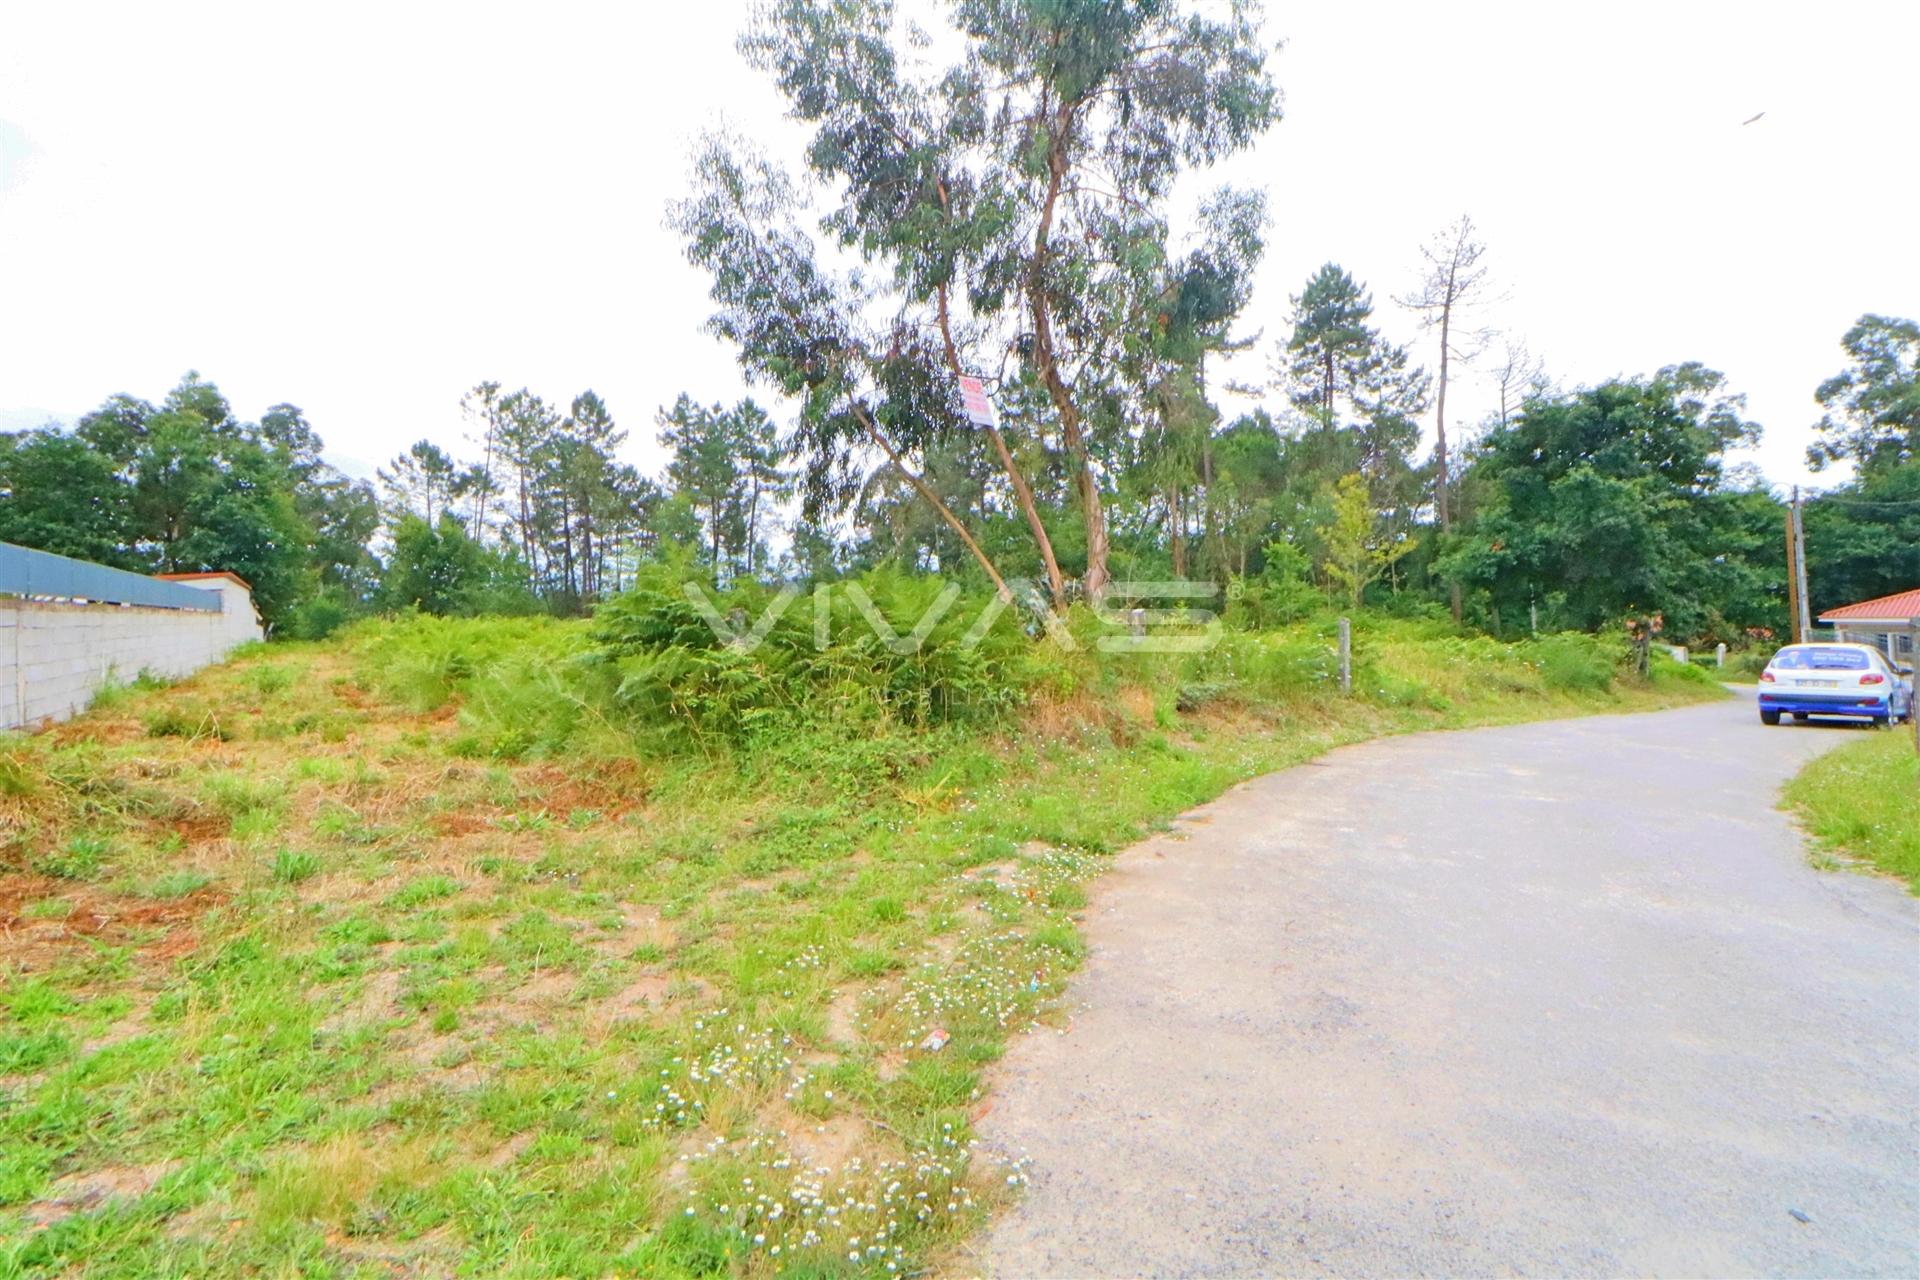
[328, 961]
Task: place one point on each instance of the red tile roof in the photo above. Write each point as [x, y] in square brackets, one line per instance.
[1902, 605]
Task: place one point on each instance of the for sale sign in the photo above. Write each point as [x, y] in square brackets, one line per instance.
[973, 399]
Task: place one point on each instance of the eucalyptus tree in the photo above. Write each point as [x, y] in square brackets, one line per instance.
[1006, 201]
[810, 332]
[1872, 407]
[1100, 108]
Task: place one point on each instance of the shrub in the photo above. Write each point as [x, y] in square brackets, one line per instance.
[319, 615]
[1574, 661]
[671, 667]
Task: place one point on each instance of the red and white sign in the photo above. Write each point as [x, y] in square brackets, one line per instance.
[973, 398]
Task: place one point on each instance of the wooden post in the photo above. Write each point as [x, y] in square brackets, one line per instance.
[1793, 573]
[1346, 656]
[1720, 654]
[1800, 569]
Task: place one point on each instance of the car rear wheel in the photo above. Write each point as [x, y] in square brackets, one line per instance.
[1799, 717]
[1769, 717]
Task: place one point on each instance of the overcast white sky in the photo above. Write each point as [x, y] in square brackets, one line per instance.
[366, 208]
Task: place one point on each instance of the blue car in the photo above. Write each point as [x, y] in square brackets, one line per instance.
[1851, 681]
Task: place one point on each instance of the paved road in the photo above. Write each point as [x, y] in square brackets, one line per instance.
[1557, 999]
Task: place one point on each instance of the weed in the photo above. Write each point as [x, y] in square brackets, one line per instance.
[80, 859]
[291, 866]
[177, 884]
[186, 720]
[16, 776]
[427, 889]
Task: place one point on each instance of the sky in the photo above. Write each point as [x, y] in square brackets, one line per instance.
[365, 209]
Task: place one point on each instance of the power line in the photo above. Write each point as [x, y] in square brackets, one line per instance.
[1862, 502]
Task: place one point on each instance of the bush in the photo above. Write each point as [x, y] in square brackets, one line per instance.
[818, 660]
[1574, 661]
[319, 615]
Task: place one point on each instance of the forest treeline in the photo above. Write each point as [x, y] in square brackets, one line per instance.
[1573, 510]
[1006, 216]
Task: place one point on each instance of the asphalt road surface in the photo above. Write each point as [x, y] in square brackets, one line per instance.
[1557, 999]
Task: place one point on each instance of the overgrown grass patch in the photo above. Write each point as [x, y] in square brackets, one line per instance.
[1861, 804]
[507, 964]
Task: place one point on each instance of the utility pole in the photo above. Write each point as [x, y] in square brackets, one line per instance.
[1800, 569]
[1793, 569]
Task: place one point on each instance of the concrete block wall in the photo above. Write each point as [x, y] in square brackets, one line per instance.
[55, 656]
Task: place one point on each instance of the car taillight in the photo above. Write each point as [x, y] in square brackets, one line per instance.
[1766, 677]
[1873, 677]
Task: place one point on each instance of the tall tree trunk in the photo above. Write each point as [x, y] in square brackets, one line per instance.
[1442, 481]
[1022, 491]
[753, 509]
[1049, 366]
[526, 533]
[1210, 514]
[933, 499]
[1176, 521]
[486, 479]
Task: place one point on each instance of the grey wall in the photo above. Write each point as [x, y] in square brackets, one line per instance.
[54, 656]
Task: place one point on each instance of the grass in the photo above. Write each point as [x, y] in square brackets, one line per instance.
[439, 956]
[1861, 804]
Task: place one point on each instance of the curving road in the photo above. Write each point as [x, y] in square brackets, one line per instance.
[1556, 999]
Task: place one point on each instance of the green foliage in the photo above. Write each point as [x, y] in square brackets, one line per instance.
[440, 569]
[320, 615]
[1612, 501]
[1863, 538]
[947, 201]
[1576, 661]
[57, 494]
[1873, 406]
[422, 662]
[725, 467]
[1359, 548]
[674, 668]
[186, 486]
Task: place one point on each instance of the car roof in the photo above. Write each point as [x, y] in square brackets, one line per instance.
[1830, 644]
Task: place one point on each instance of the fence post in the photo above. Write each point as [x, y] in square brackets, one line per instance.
[1720, 654]
[1346, 656]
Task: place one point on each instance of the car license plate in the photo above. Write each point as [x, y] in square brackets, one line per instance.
[1822, 684]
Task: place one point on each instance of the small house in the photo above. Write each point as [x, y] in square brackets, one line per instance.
[1889, 623]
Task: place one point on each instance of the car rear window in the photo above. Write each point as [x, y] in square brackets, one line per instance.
[1820, 660]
